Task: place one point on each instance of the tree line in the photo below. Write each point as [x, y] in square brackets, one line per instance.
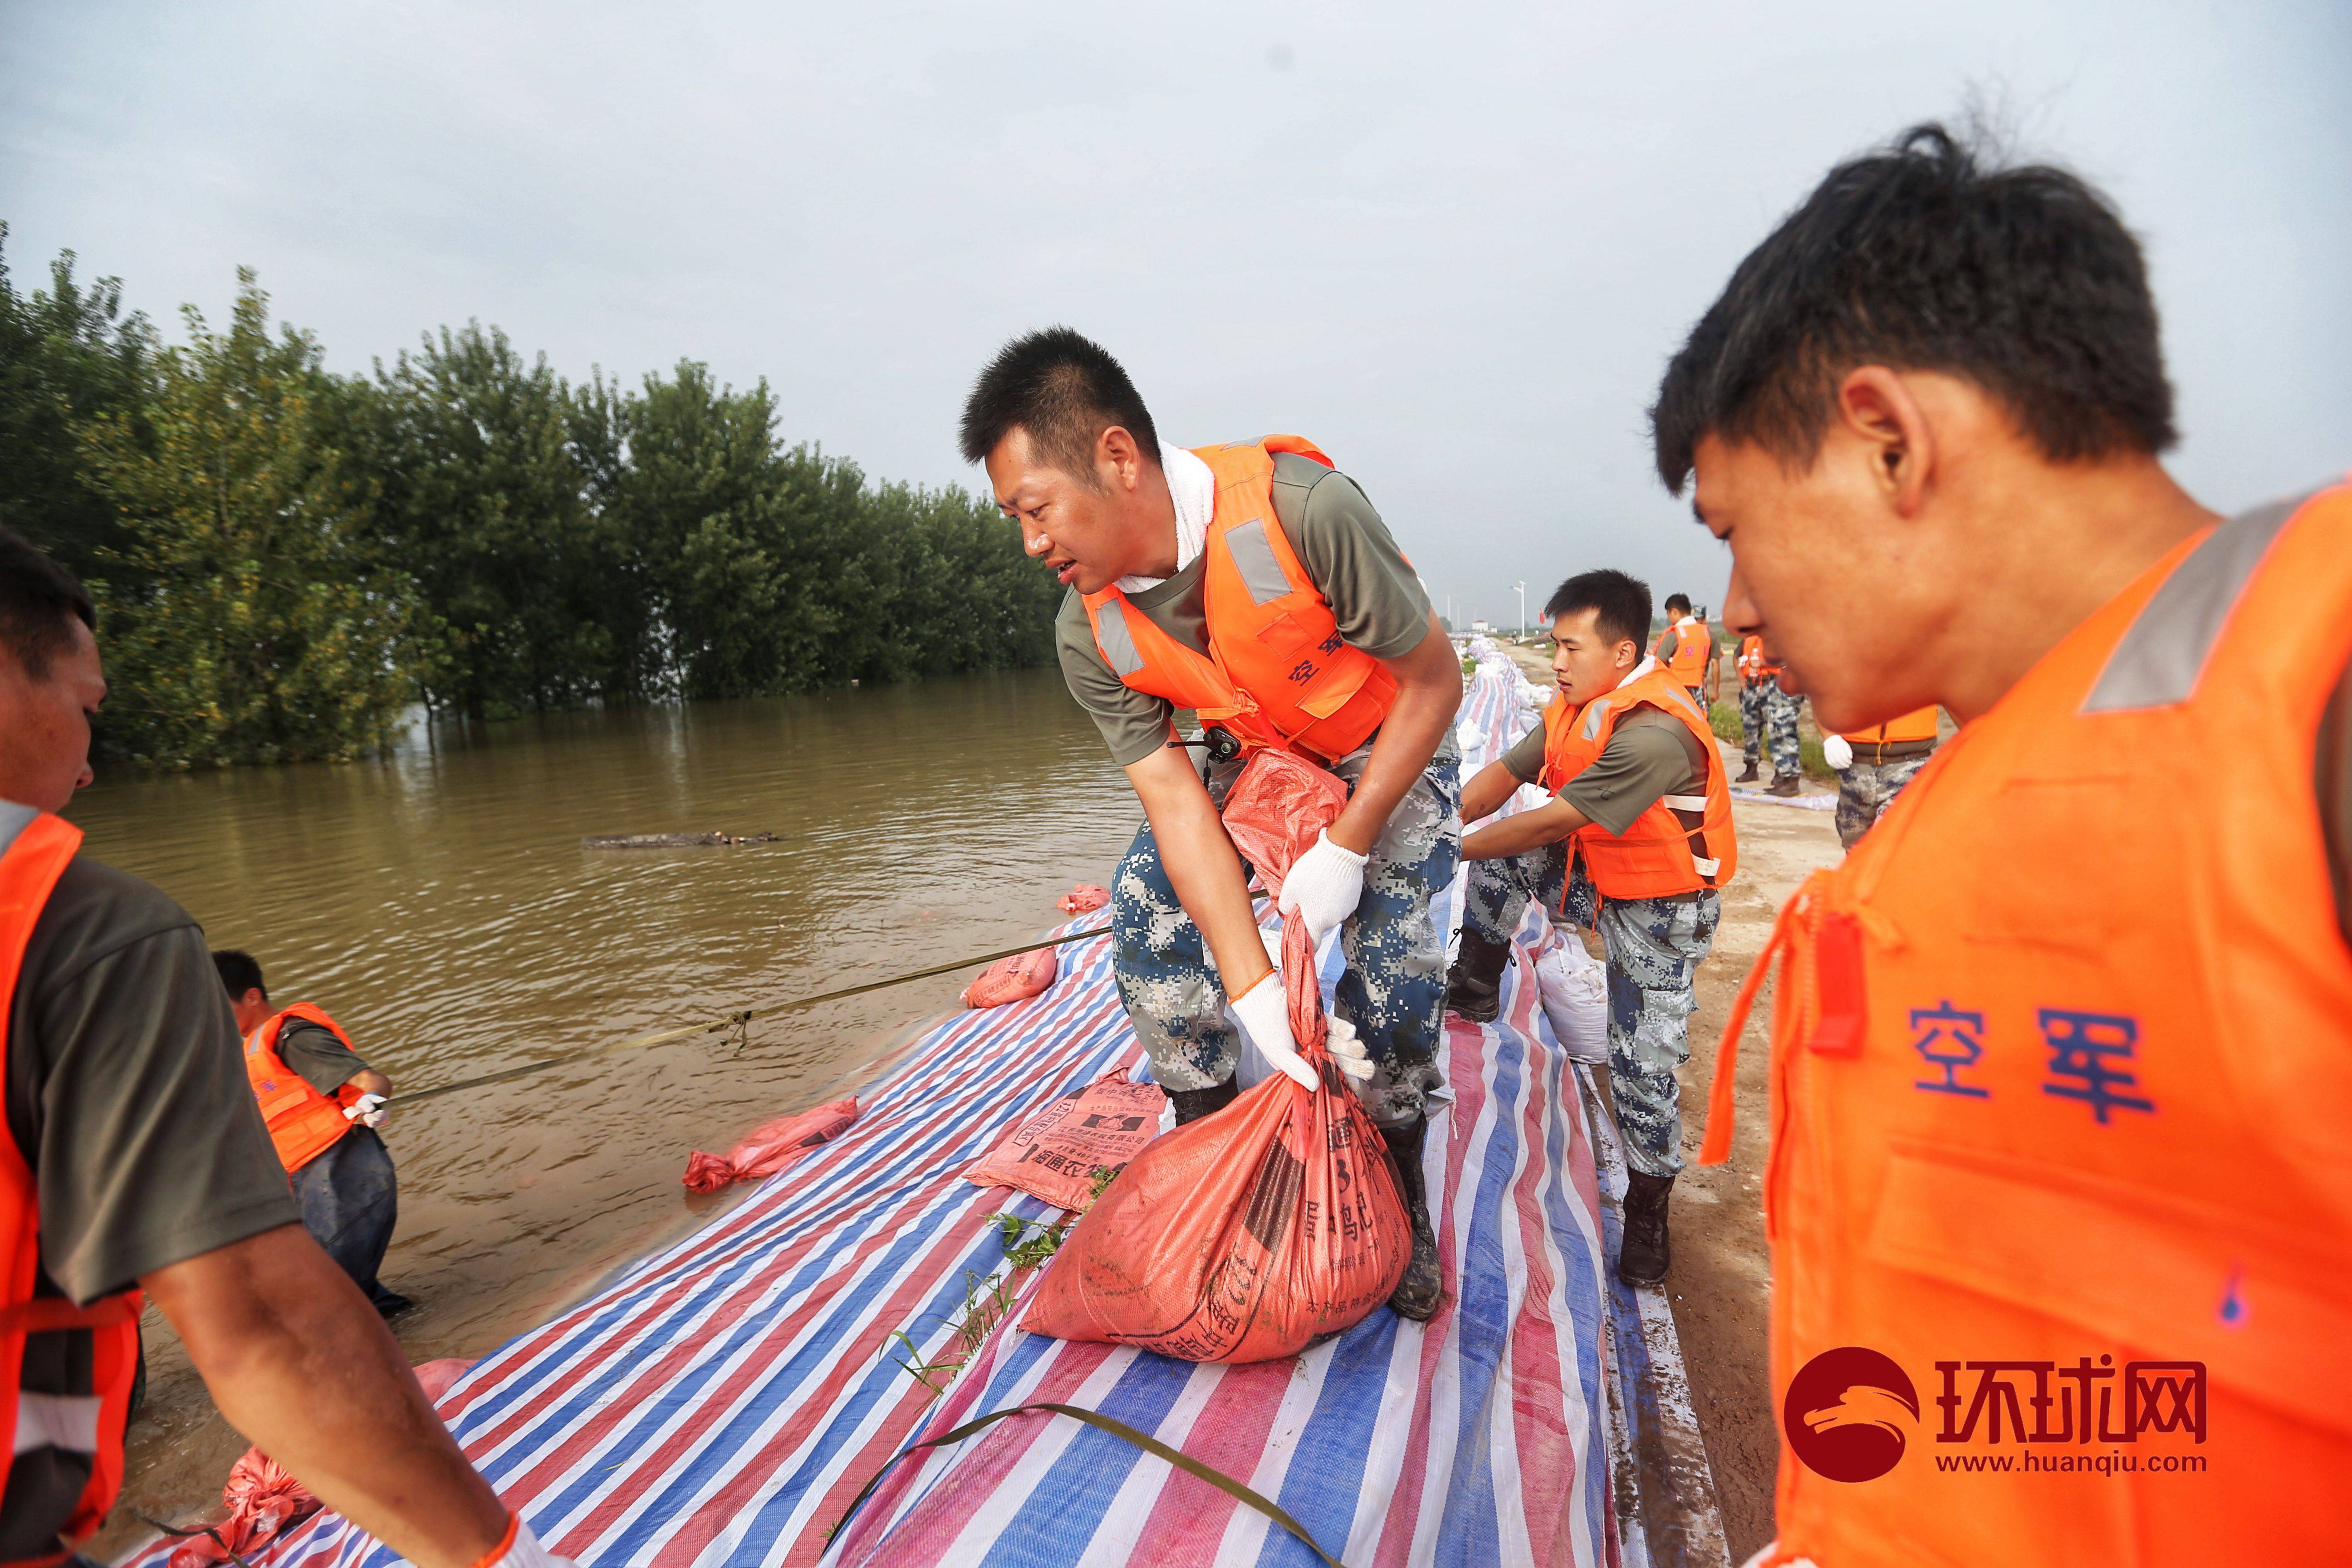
[287, 561]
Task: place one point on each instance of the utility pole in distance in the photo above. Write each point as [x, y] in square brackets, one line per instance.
[1522, 588]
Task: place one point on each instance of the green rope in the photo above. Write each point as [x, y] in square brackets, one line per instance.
[1150, 1444]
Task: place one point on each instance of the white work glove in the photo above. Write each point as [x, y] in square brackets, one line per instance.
[1838, 752]
[526, 1553]
[1324, 886]
[1265, 1012]
[367, 1111]
[1348, 1052]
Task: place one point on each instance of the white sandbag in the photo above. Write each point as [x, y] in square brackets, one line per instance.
[1575, 989]
[1469, 737]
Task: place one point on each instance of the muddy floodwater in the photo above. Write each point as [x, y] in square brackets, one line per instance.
[441, 906]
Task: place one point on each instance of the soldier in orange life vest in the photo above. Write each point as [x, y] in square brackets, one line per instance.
[135, 1165]
[1768, 719]
[1254, 584]
[1874, 764]
[321, 1104]
[1687, 651]
[1640, 788]
[2062, 1053]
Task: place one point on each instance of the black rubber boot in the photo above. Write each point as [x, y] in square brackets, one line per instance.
[1643, 1257]
[1416, 1295]
[1191, 1104]
[1784, 785]
[1474, 986]
[1747, 777]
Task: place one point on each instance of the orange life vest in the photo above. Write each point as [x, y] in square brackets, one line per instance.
[2062, 1076]
[1683, 843]
[88, 1425]
[1917, 725]
[1278, 672]
[303, 1123]
[1754, 667]
[1687, 661]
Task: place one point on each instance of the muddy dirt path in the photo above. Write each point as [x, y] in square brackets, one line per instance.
[1721, 1284]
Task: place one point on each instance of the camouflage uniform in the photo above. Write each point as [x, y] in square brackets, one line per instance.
[1393, 989]
[1779, 723]
[1654, 947]
[1751, 720]
[1866, 789]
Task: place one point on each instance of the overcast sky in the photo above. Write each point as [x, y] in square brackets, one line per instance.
[1452, 243]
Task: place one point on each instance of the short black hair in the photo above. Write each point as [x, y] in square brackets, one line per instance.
[239, 973]
[1622, 602]
[1922, 256]
[1674, 599]
[1064, 389]
[37, 599]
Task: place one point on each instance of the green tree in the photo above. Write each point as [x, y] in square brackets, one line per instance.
[66, 356]
[486, 503]
[256, 622]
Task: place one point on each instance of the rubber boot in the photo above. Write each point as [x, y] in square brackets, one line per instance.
[1747, 777]
[1191, 1104]
[1416, 1295]
[1474, 986]
[1643, 1257]
[1784, 785]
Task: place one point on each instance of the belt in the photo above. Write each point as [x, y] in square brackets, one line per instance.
[1878, 754]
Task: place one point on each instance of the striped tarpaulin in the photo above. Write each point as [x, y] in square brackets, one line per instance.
[725, 1401]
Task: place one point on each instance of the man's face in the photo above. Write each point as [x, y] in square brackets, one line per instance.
[1586, 664]
[44, 725]
[1084, 534]
[1823, 570]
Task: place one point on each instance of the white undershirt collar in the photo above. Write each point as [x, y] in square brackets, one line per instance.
[1193, 488]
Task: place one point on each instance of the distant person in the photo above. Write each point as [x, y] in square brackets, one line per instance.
[138, 1162]
[1685, 650]
[1640, 789]
[1254, 583]
[1767, 718]
[2062, 1052]
[322, 1106]
[1874, 764]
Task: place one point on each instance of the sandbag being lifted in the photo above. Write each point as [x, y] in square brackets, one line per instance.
[1279, 1221]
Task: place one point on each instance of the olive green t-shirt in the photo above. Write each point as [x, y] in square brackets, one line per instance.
[1348, 555]
[126, 1089]
[324, 1062]
[1650, 755]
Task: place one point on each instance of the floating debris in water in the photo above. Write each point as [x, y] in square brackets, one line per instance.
[674, 840]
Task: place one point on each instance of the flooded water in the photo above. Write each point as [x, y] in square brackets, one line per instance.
[441, 906]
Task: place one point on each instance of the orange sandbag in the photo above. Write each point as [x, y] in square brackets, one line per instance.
[1084, 899]
[1055, 1155]
[1279, 1221]
[770, 1147]
[1013, 979]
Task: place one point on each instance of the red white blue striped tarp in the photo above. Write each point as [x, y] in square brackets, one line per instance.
[725, 1401]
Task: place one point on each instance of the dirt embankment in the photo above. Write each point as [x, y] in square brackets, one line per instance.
[1721, 1285]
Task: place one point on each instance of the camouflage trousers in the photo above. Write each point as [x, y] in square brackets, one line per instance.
[1866, 789]
[1653, 948]
[1393, 989]
[1767, 715]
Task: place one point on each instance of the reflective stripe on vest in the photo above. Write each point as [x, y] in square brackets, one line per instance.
[1660, 854]
[1278, 672]
[1917, 725]
[2062, 1078]
[46, 1502]
[303, 1123]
